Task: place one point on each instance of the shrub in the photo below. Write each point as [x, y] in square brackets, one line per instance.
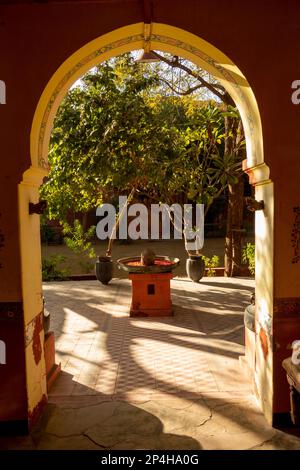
[78, 240]
[210, 264]
[248, 256]
[51, 270]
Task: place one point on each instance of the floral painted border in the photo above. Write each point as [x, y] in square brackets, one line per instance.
[295, 235]
[226, 74]
[128, 40]
[287, 306]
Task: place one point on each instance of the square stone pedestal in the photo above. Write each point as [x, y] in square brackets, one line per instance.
[151, 295]
[52, 369]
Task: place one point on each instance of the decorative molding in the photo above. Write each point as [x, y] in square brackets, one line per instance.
[295, 235]
[43, 164]
[284, 307]
[258, 174]
[226, 74]
[34, 176]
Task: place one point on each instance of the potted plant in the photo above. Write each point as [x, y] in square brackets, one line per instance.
[195, 263]
[104, 269]
[195, 267]
[104, 265]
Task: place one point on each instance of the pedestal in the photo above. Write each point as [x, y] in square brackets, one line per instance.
[151, 295]
[52, 369]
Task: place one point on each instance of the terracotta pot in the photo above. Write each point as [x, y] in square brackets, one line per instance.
[195, 267]
[104, 269]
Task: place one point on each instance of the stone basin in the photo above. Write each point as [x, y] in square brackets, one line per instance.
[162, 264]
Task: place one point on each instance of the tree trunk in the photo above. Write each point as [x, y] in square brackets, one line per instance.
[117, 223]
[234, 232]
[84, 221]
[234, 227]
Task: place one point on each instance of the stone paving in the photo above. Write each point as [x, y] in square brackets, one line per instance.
[101, 347]
[151, 383]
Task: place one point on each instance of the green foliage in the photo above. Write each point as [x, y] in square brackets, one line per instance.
[210, 264]
[119, 130]
[51, 270]
[78, 240]
[201, 170]
[248, 256]
[102, 134]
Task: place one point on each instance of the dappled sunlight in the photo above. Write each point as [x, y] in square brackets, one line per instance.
[261, 229]
[72, 317]
[227, 331]
[102, 346]
[183, 369]
[220, 344]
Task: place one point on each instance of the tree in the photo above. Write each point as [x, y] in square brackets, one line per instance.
[197, 80]
[115, 133]
[101, 128]
[206, 164]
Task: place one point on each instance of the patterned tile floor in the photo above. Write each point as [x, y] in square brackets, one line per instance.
[157, 384]
[104, 351]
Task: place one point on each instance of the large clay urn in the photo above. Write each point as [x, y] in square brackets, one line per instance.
[104, 269]
[195, 267]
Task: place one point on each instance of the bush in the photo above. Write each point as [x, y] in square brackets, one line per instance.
[210, 264]
[50, 269]
[248, 257]
[79, 241]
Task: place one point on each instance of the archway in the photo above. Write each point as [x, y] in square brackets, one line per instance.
[178, 42]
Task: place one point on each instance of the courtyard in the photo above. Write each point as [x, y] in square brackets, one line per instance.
[151, 383]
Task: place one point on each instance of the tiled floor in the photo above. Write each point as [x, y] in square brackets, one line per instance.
[102, 348]
[142, 383]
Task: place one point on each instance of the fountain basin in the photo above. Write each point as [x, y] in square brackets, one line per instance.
[162, 264]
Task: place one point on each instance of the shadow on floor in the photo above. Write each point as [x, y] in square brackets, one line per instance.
[227, 285]
[94, 422]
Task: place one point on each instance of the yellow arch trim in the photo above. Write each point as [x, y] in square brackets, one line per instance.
[187, 45]
[165, 38]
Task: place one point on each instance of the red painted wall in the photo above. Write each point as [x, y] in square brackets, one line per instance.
[260, 36]
[13, 398]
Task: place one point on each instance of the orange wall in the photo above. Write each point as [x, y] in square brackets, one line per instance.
[260, 36]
